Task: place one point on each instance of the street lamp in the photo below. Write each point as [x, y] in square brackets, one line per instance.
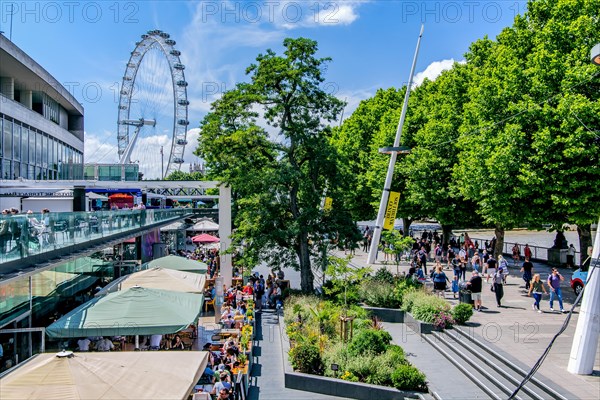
[393, 151]
[585, 340]
[595, 54]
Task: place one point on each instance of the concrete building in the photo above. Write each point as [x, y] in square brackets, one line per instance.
[41, 122]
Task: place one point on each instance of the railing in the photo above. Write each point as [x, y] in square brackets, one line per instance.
[538, 253]
[24, 235]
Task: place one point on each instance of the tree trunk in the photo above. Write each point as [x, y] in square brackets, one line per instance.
[499, 231]
[306, 274]
[446, 232]
[406, 226]
[585, 240]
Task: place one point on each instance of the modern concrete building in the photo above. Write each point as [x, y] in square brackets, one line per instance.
[41, 122]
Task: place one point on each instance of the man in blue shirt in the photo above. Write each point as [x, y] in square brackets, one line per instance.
[554, 283]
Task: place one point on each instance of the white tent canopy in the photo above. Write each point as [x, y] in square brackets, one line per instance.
[175, 226]
[115, 375]
[204, 225]
[161, 278]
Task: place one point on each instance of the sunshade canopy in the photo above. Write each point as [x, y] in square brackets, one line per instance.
[162, 278]
[114, 375]
[135, 311]
[205, 238]
[95, 196]
[204, 225]
[175, 226]
[179, 264]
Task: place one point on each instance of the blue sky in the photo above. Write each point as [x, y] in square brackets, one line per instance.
[86, 45]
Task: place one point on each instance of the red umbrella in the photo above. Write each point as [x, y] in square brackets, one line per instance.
[205, 238]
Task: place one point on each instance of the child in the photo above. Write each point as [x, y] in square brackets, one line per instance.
[455, 285]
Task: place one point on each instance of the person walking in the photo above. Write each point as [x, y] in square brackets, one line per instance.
[450, 256]
[498, 287]
[491, 267]
[571, 256]
[537, 287]
[516, 252]
[476, 262]
[527, 251]
[439, 280]
[503, 267]
[475, 284]
[554, 281]
[527, 270]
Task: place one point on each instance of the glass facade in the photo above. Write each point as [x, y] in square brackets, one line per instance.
[112, 172]
[28, 153]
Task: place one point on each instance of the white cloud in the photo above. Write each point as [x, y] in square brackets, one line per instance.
[332, 14]
[100, 147]
[434, 70]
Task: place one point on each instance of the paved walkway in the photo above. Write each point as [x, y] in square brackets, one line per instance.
[267, 381]
[520, 333]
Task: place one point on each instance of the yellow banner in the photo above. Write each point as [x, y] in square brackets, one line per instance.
[390, 212]
[328, 204]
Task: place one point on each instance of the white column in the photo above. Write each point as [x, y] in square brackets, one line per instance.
[585, 340]
[225, 233]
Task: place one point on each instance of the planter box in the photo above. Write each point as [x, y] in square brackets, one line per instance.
[333, 386]
[417, 326]
[386, 314]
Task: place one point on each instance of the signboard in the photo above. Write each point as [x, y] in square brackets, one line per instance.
[390, 212]
[328, 204]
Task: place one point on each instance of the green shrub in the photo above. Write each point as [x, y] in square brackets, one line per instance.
[462, 313]
[395, 354]
[369, 341]
[426, 308]
[403, 286]
[383, 275]
[335, 353]
[378, 294]
[407, 377]
[306, 358]
[409, 297]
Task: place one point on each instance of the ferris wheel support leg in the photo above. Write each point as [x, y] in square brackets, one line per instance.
[126, 157]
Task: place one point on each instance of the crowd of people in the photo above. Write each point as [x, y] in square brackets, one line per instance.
[462, 255]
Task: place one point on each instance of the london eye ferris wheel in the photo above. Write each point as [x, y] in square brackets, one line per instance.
[153, 107]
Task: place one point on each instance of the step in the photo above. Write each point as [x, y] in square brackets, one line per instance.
[550, 392]
[487, 366]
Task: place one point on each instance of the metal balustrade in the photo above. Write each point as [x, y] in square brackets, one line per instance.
[26, 235]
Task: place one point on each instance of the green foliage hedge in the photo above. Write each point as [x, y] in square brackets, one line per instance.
[305, 357]
[369, 341]
[407, 377]
[462, 313]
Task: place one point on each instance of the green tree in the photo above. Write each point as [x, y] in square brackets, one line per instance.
[184, 176]
[352, 140]
[279, 182]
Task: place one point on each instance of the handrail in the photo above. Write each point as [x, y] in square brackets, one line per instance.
[25, 235]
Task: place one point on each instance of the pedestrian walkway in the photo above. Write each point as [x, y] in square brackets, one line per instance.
[267, 377]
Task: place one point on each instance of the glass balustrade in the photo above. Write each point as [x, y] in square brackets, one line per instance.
[24, 235]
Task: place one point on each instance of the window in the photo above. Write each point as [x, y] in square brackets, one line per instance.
[16, 142]
[45, 151]
[32, 135]
[38, 149]
[31, 172]
[6, 172]
[7, 138]
[24, 150]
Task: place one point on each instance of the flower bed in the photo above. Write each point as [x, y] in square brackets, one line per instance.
[313, 327]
